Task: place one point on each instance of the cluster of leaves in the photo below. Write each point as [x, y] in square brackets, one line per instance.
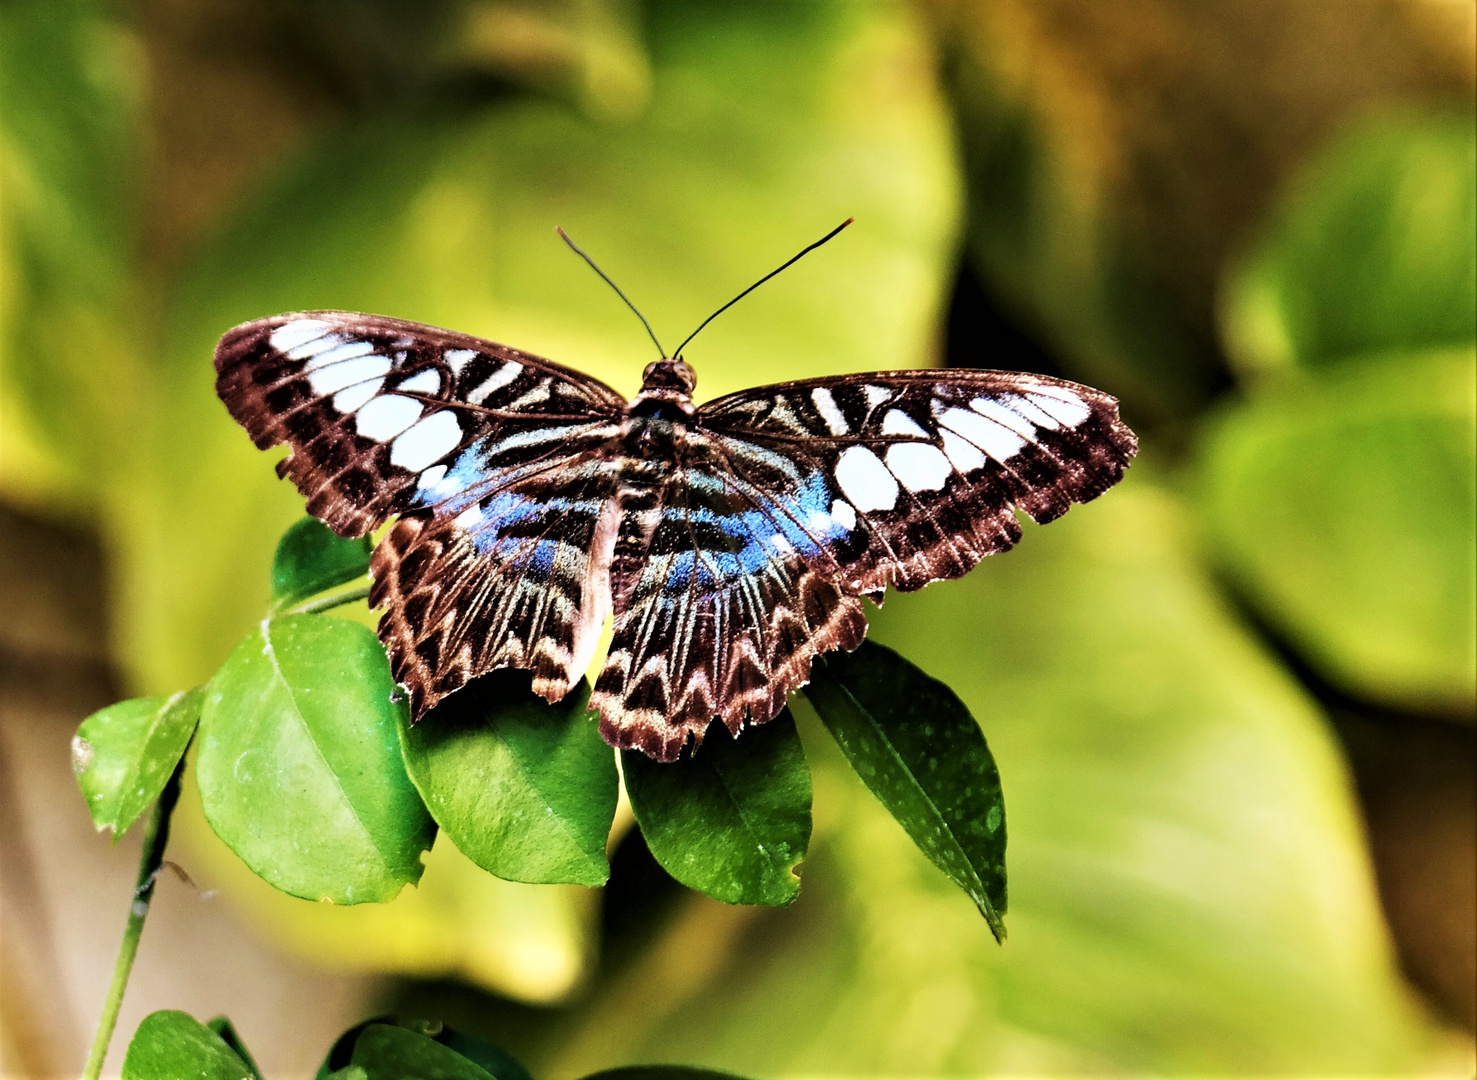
[175, 1044]
[308, 768]
[1341, 490]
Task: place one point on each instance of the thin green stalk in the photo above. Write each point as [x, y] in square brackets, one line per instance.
[156, 837]
[328, 603]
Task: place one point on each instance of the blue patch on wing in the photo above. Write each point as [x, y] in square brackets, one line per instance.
[796, 523]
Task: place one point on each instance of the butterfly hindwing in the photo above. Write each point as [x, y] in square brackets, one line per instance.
[509, 571]
[497, 462]
[926, 468]
[371, 407]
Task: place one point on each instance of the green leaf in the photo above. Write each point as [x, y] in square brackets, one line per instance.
[1346, 508]
[299, 766]
[500, 1064]
[123, 754]
[394, 1053]
[171, 1044]
[526, 789]
[915, 745]
[731, 820]
[1373, 250]
[227, 1032]
[312, 558]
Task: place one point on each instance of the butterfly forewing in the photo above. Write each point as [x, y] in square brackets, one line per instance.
[497, 461]
[924, 469]
[376, 410]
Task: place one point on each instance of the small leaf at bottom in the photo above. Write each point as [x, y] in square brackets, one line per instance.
[918, 749]
[124, 754]
[395, 1053]
[175, 1044]
[732, 820]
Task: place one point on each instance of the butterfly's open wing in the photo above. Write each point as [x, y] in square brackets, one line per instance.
[925, 469]
[376, 409]
[498, 462]
[723, 594]
[789, 502]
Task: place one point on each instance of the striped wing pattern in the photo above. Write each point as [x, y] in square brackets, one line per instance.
[928, 467]
[725, 589]
[732, 544]
[496, 461]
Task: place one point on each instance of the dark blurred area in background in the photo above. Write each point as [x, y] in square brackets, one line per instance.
[1219, 699]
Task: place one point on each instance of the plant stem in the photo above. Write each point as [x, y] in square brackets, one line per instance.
[156, 837]
[327, 603]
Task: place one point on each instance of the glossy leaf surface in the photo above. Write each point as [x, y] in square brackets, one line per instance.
[385, 1052]
[123, 754]
[385, 1048]
[311, 557]
[1346, 507]
[1373, 249]
[175, 1044]
[526, 789]
[228, 1035]
[731, 820]
[917, 748]
[299, 767]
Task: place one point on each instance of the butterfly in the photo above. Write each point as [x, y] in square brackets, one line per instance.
[732, 541]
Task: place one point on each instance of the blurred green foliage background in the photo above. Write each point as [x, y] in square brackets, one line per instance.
[1255, 224]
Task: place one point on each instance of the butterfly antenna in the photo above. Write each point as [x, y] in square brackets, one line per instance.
[565, 237]
[803, 252]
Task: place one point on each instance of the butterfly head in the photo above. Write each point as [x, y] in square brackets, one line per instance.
[668, 378]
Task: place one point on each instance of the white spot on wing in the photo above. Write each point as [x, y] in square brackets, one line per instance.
[495, 382]
[1064, 405]
[321, 357]
[431, 477]
[875, 395]
[964, 455]
[844, 514]
[469, 517]
[346, 401]
[456, 359]
[298, 332]
[1000, 443]
[427, 382]
[919, 466]
[865, 480]
[1031, 411]
[897, 422]
[386, 416]
[427, 441]
[1006, 418]
[825, 404]
[337, 376]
